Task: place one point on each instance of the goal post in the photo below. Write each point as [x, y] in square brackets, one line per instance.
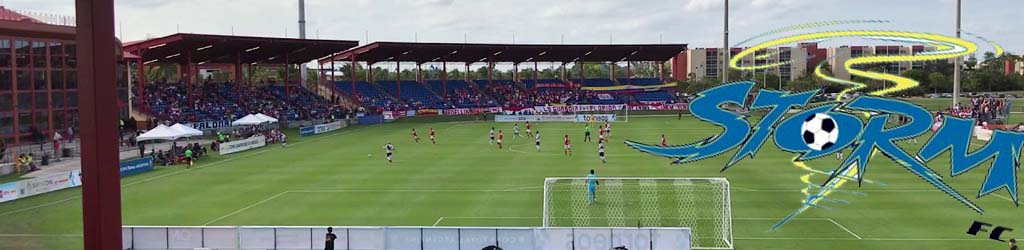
[701, 204]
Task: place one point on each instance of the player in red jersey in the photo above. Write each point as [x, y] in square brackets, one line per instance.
[500, 136]
[415, 136]
[529, 126]
[568, 145]
[432, 141]
[663, 142]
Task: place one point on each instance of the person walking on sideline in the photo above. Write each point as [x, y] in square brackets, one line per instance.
[329, 239]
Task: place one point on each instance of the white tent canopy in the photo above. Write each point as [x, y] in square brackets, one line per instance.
[248, 120]
[161, 132]
[266, 118]
[188, 131]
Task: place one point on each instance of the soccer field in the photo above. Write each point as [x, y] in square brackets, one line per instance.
[342, 178]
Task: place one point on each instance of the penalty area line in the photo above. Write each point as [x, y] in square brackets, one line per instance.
[246, 208]
[844, 228]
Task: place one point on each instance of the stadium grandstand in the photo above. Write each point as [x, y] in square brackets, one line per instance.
[518, 91]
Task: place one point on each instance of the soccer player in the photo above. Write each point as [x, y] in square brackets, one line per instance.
[586, 134]
[515, 131]
[663, 142]
[188, 156]
[608, 128]
[600, 136]
[568, 146]
[600, 152]
[389, 149]
[432, 140]
[528, 127]
[536, 138]
[415, 136]
[492, 136]
[592, 184]
[500, 136]
[284, 140]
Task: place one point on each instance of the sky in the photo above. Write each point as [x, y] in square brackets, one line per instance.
[694, 22]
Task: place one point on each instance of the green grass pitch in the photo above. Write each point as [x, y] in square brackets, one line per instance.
[342, 178]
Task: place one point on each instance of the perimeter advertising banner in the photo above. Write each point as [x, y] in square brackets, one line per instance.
[243, 145]
[40, 185]
[137, 166]
[534, 118]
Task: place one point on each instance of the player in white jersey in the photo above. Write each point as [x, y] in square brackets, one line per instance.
[600, 152]
[536, 139]
[492, 136]
[515, 131]
[389, 149]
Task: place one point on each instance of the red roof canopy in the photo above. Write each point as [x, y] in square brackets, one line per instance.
[223, 49]
[516, 53]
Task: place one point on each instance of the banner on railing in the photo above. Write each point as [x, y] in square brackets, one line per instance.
[595, 118]
[40, 185]
[243, 145]
[471, 111]
[204, 125]
[137, 166]
[534, 118]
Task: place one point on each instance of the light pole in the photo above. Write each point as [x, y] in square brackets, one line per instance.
[957, 62]
[725, 45]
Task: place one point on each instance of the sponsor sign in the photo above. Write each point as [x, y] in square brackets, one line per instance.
[410, 113]
[304, 131]
[388, 115]
[423, 112]
[471, 111]
[205, 125]
[138, 166]
[9, 192]
[596, 118]
[243, 145]
[534, 118]
[327, 127]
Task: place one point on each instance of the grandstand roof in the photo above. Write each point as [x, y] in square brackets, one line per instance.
[470, 52]
[222, 49]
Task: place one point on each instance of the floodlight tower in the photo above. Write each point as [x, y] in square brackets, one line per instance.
[302, 35]
[957, 62]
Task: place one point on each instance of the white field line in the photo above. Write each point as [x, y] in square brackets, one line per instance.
[844, 228]
[176, 172]
[852, 239]
[438, 222]
[245, 208]
[39, 206]
[38, 235]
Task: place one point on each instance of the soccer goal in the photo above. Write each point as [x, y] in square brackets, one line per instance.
[701, 204]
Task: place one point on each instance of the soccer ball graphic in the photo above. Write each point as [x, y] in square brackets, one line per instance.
[819, 131]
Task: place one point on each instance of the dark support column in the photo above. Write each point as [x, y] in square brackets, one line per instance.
[419, 72]
[661, 71]
[369, 72]
[189, 76]
[444, 78]
[238, 77]
[579, 65]
[398, 79]
[101, 189]
[536, 73]
[490, 72]
[629, 74]
[142, 81]
[563, 72]
[467, 73]
[352, 68]
[611, 73]
[515, 72]
[287, 77]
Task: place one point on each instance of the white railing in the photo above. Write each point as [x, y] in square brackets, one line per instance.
[404, 238]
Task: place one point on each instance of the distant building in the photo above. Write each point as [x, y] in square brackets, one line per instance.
[39, 78]
[837, 56]
[710, 62]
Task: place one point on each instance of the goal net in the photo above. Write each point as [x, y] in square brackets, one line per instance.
[701, 204]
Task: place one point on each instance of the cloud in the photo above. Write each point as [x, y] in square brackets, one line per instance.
[704, 5]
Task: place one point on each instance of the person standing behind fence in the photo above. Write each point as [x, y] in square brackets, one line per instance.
[330, 237]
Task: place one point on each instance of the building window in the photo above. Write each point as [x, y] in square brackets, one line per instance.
[21, 54]
[72, 99]
[70, 59]
[24, 80]
[24, 101]
[42, 121]
[58, 120]
[24, 122]
[56, 79]
[41, 100]
[5, 79]
[39, 54]
[40, 80]
[5, 53]
[58, 100]
[6, 124]
[55, 56]
[6, 103]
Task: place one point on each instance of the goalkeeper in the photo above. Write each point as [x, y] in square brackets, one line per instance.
[592, 184]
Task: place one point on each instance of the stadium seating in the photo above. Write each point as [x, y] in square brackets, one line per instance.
[530, 83]
[413, 94]
[640, 81]
[367, 94]
[224, 101]
[460, 94]
[656, 96]
[600, 82]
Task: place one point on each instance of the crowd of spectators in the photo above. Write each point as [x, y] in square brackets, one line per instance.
[983, 109]
[216, 101]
